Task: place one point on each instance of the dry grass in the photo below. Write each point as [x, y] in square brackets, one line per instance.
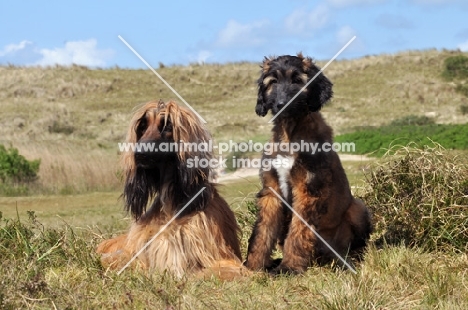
[49, 262]
[419, 197]
[74, 167]
[78, 115]
[57, 268]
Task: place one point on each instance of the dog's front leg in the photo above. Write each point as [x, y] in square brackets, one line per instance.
[266, 230]
[300, 243]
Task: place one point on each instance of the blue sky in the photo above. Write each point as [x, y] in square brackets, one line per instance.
[181, 32]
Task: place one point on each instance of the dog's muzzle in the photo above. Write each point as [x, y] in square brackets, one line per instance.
[281, 98]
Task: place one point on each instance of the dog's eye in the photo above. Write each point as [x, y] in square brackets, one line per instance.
[142, 125]
[296, 79]
[168, 127]
[271, 82]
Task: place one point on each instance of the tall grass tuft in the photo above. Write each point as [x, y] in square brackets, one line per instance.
[419, 197]
[29, 251]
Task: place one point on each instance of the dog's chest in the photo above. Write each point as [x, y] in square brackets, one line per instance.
[284, 173]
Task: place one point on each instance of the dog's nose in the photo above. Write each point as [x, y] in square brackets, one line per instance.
[281, 98]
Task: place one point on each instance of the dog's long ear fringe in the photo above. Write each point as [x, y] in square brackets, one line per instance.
[187, 127]
[320, 90]
[140, 184]
[139, 189]
[261, 109]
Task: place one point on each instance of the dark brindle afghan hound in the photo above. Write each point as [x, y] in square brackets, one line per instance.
[203, 238]
[315, 185]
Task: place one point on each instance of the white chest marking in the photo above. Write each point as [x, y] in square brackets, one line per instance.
[283, 168]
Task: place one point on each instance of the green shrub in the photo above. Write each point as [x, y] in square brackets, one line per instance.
[14, 167]
[59, 127]
[16, 171]
[462, 89]
[419, 197]
[455, 67]
[464, 109]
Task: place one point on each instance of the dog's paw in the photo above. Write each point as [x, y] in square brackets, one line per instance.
[274, 264]
[250, 264]
[286, 270]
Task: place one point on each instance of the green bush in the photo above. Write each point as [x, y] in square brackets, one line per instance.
[59, 127]
[16, 171]
[455, 67]
[419, 197]
[464, 109]
[462, 89]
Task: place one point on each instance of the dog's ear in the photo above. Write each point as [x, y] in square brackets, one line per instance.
[140, 186]
[320, 89]
[193, 167]
[191, 180]
[261, 109]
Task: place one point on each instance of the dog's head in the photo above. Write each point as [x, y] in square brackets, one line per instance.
[283, 77]
[167, 142]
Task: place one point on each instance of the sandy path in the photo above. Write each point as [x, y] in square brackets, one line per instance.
[244, 173]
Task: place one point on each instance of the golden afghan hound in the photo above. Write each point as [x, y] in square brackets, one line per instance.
[312, 182]
[161, 171]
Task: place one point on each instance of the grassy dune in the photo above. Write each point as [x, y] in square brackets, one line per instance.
[73, 118]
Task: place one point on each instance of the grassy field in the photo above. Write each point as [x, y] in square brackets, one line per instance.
[48, 262]
[377, 141]
[72, 119]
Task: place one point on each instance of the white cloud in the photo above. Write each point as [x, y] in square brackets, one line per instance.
[203, 55]
[345, 34]
[13, 48]
[83, 53]
[236, 34]
[463, 46]
[304, 23]
[345, 3]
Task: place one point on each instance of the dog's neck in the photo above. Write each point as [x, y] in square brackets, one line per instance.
[283, 130]
[304, 127]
